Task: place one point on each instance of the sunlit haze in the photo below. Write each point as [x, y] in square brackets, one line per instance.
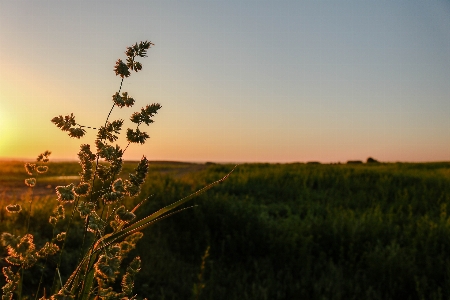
[238, 81]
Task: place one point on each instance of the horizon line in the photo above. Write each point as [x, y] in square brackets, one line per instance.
[14, 159]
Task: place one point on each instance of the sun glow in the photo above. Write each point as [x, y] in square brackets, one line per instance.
[4, 137]
[7, 132]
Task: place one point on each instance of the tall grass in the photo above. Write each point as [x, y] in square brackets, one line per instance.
[90, 214]
[300, 231]
[291, 231]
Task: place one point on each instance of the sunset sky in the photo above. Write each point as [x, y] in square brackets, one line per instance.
[238, 80]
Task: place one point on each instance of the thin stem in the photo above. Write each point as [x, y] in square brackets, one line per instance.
[43, 268]
[19, 290]
[41, 279]
[58, 264]
[29, 194]
[86, 126]
[126, 147]
[98, 157]
[59, 274]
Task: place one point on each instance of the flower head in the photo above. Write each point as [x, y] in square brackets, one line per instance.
[65, 194]
[13, 208]
[31, 182]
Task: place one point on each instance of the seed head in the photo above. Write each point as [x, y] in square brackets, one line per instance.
[61, 236]
[121, 69]
[124, 215]
[65, 194]
[41, 169]
[8, 239]
[29, 168]
[31, 182]
[60, 212]
[86, 208]
[13, 208]
[82, 189]
[44, 156]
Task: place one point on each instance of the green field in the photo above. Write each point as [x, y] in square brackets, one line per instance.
[274, 231]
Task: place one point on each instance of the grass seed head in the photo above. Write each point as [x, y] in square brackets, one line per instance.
[29, 168]
[66, 193]
[82, 189]
[41, 169]
[13, 208]
[31, 182]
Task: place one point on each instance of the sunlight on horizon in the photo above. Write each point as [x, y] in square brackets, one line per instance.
[238, 81]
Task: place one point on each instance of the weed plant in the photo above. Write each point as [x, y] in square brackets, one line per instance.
[106, 232]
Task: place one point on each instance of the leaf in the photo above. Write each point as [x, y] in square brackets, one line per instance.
[159, 215]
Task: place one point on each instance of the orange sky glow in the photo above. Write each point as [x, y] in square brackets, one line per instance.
[241, 81]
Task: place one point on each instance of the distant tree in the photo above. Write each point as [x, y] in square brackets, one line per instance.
[354, 162]
[372, 160]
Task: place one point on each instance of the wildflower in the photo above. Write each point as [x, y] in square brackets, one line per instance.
[85, 208]
[107, 267]
[131, 189]
[31, 182]
[132, 186]
[136, 136]
[146, 114]
[21, 253]
[8, 239]
[13, 208]
[76, 132]
[29, 168]
[139, 49]
[108, 152]
[117, 186]
[82, 189]
[85, 153]
[12, 281]
[26, 244]
[112, 197]
[66, 124]
[44, 156]
[103, 172]
[65, 194]
[128, 279]
[106, 132]
[124, 215]
[121, 69]
[86, 161]
[123, 100]
[61, 236]
[95, 223]
[52, 220]
[13, 260]
[48, 249]
[41, 169]
[141, 172]
[60, 212]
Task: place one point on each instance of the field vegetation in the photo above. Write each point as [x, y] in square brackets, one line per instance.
[270, 231]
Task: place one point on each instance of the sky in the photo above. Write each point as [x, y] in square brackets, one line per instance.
[238, 80]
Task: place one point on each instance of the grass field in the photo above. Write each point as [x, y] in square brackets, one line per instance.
[277, 231]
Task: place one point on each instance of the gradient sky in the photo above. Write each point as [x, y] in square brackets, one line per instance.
[238, 81]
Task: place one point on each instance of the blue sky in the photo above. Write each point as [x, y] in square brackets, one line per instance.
[239, 81]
